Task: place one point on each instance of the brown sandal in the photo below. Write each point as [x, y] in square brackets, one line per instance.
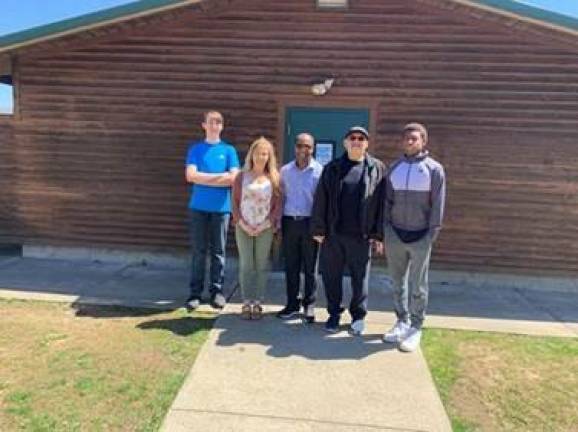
[257, 312]
[246, 311]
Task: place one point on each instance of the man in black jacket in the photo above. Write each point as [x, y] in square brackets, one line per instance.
[347, 219]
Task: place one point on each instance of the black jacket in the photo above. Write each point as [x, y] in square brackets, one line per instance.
[325, 213]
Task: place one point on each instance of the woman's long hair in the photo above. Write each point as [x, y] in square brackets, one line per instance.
[270, 167]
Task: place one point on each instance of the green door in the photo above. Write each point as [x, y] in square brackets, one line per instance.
[327, 125]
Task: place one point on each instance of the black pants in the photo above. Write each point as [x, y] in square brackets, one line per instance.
[337, 252]
[300, 252]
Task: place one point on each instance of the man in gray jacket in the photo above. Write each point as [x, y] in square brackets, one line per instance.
[414, 207]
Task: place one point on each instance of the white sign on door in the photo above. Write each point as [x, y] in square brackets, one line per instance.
[324, 151]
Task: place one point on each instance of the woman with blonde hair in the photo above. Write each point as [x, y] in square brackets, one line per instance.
[257, 205]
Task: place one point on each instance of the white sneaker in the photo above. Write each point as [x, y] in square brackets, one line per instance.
[397, 333]
[309, 314]
[411, 341]
[357, 327]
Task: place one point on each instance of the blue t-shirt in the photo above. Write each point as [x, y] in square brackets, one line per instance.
[214, 159]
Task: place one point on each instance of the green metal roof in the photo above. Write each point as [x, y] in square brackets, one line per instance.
[526, 11]
[28, 37]
[88, 20]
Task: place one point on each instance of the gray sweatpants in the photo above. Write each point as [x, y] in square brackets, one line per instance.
[408, 265]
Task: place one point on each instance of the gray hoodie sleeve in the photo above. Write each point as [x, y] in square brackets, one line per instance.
[438, 200]
[387, 203]
[388, 199]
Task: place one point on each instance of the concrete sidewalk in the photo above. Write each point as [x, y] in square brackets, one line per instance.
[457, 300]
[275, 375]
[289, 376]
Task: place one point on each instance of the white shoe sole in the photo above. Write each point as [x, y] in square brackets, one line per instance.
[406, 349]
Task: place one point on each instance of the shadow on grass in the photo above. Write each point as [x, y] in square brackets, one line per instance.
[180, 326]
[184, 326]
[110, 311]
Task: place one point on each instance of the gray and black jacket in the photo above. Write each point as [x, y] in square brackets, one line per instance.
[415, 194]
[325, 213]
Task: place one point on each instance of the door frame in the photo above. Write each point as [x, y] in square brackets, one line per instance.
[284, 102]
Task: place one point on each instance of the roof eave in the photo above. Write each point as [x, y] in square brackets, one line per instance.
[507, 8]
[90, 21]
[526, 13]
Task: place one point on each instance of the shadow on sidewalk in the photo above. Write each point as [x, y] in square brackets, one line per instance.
[150, 289]
[490, 302]
[293, 338]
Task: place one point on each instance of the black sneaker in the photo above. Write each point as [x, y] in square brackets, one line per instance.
[287, 312]
[218, 301]
[332, 324]
[192, 304]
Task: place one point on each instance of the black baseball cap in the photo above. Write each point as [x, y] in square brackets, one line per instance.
[357, 129]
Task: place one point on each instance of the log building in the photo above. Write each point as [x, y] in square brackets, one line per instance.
[106, 104]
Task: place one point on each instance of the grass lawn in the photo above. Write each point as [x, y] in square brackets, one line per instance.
[92, 368]
[498, 382]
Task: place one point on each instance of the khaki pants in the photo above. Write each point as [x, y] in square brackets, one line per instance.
[254, 255]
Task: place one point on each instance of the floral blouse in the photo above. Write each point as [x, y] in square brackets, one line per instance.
[255, 203]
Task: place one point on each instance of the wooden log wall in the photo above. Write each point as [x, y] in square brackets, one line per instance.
[9, 215]
[97, 155]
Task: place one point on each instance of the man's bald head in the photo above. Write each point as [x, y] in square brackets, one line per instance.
[304, 147]
[305, 137]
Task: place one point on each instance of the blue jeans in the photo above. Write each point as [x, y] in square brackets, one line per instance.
[208, 231]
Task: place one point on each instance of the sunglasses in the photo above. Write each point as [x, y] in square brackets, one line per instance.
[307, 146]
[357, 138]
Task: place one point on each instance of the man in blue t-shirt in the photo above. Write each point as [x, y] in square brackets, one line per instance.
[211, 168]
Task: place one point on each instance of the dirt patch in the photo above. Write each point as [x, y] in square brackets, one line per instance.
[468, 393]
[517, 383]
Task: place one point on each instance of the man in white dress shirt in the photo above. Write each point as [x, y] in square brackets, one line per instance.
[299, 180]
